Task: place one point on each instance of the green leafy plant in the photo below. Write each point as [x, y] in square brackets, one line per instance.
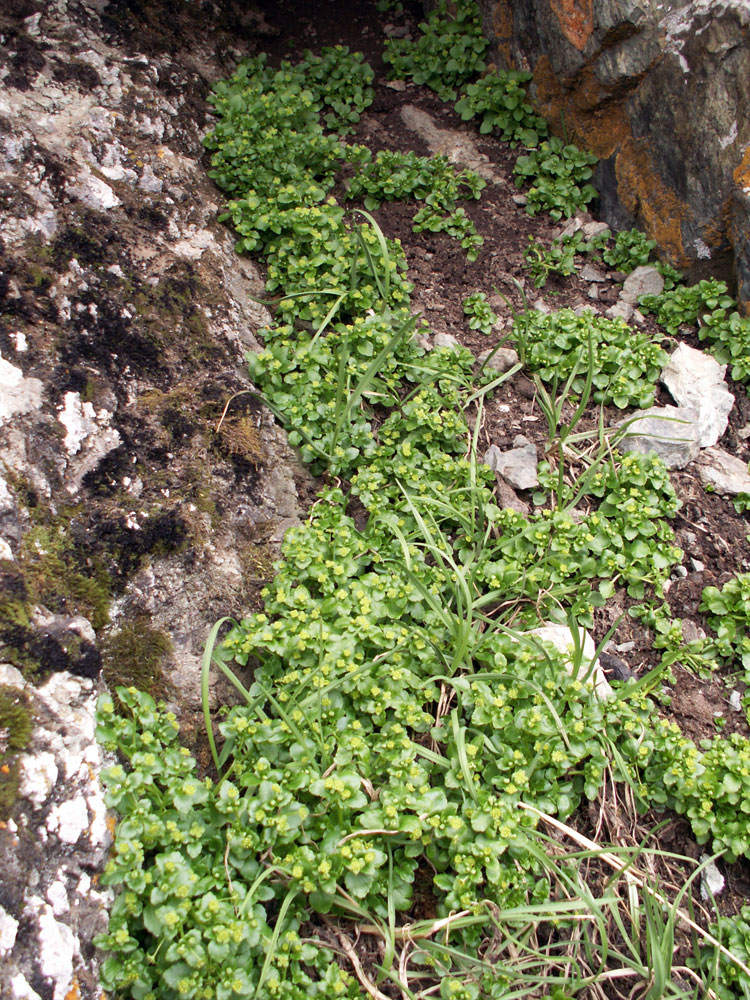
[631, 249]
[728, 337]
[626, 364]
[558, 258]
[456, 224]
[449, 51]
[499, 100]
[480, 313]
[687, 304]
[393, 176]
[557, 174]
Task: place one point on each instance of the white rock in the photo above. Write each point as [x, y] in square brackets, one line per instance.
[518, 465]
[69, 819]
[696, 380]
[561, 637]
[735, 701]
[17, 394]
[670, 431]
[644, 280]
[57, 948]
[11, 677]
[8, 931]
[6, 552]
[93, 192]
[22, 990]
[79, 421]
[712, 881]
[57, 897]
[726, 473]
[37, 776]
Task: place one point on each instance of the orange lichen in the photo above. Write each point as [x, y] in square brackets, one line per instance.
[597, 120]
[74, 993]
[742, 171]
[576, 19]
[502, 28]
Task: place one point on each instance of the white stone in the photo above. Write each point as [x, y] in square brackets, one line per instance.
[17, 393]
[726, 473]
[79, 421]
[69, 819]
[11, 677]
[669, 431]
[735, 701]
[696, 380]
[21, 989]
[6, 552]
[712, 881]
[8, 931]
[93, 192]
[57, 949]
[57, 897]
[588, 671]
[37, 776]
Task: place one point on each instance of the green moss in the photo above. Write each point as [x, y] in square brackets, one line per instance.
[135, 655]
[15, 732]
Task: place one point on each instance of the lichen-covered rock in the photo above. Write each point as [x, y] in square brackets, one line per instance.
[659, 91]
[129, 521]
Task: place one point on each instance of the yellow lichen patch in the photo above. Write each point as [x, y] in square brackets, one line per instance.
[576, 19]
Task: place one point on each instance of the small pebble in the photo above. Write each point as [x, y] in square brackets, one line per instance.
[697, 565]
[680, 572]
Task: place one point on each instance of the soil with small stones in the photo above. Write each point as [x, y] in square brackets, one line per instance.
[713, 536]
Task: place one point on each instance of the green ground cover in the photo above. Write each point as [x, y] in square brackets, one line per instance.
[404, 745]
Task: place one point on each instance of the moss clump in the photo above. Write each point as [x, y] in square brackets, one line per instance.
[135, 655]
[15, 733]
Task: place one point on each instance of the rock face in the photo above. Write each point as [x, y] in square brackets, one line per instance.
[659, 91]
[129, 521]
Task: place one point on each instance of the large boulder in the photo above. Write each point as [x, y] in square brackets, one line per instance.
[659, 91]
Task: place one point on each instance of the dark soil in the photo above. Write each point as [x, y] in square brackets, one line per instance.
[713, 536]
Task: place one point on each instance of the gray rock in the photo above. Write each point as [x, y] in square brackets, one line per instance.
[668, 431]
[620, 310]
[726, 473]
[17, 394]
[644, 280]
[446, 340]
[696, 380]
[592, 229]
[518, 466]
[508, 498]
[591, 273]
[501, 360]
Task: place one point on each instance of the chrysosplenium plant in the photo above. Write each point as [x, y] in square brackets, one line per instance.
[395, 718]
